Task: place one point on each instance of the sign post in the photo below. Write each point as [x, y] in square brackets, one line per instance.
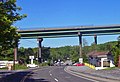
[81, 60]
[31, 57]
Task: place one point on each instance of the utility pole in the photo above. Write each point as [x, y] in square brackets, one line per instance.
[15, 54]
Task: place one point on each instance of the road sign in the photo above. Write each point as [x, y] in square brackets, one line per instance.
[31, 57]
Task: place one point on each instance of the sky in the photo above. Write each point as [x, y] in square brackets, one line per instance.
[60, 13]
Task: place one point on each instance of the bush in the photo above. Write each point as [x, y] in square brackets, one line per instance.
[18, 66]
[44, 64]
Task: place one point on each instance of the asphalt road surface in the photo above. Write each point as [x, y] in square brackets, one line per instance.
[46, 74]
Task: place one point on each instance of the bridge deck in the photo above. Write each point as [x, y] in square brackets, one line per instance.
[70, 31]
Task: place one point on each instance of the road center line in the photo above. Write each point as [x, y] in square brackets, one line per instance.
[50, 74]
[56, 79]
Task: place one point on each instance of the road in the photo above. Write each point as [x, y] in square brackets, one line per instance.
[46, 74]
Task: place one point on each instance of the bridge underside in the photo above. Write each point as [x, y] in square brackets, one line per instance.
[69, 32]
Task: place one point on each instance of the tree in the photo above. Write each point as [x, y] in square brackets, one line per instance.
[45, 53]
[116, 51]
[85, 50]
[93, 47]
[8, 16]
[74, 53]
[85, 44]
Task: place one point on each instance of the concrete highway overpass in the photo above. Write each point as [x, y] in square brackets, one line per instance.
[79, 31]
[69, 31]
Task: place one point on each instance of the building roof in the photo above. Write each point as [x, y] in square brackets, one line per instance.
[95, 53]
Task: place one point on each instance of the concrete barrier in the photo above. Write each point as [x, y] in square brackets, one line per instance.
[89, 65]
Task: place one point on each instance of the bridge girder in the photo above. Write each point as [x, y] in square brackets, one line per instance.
[69, 32]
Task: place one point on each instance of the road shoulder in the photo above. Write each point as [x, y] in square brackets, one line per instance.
[72, 71]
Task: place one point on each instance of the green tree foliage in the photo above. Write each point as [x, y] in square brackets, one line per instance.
[85, 50]
[116, 51]
[106, 46]
[73, 51]
[8, 55]
[65, 52]
[45, 53]
[24, 53]
[8, 16]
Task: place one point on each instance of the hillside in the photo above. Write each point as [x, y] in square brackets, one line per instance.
[72, 52]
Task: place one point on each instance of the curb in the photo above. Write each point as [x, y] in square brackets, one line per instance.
[90, 76]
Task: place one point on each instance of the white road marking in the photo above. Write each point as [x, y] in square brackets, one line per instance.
[81, 76]
[50, 74]
[56, 79]
[85, 78]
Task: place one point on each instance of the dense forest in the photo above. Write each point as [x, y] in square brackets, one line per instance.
[62, 53]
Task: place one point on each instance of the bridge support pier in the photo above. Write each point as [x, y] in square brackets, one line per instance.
[39, 49]
[80, 47]
[80, 44]
[95, 39]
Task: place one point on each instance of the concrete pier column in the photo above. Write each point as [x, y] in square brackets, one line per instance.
[80, 44]
[95, 38]
[95, 42]
[39, 49]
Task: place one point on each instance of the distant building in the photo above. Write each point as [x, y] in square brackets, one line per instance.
[101, 60]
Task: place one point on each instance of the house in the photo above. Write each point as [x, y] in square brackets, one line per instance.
[101, 60]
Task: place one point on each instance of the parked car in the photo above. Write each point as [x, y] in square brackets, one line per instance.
[32, 65]
[78, 64]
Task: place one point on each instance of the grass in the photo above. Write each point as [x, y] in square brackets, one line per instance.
[4, 68]
[110, 68]
[17, 67]
[44, 64]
